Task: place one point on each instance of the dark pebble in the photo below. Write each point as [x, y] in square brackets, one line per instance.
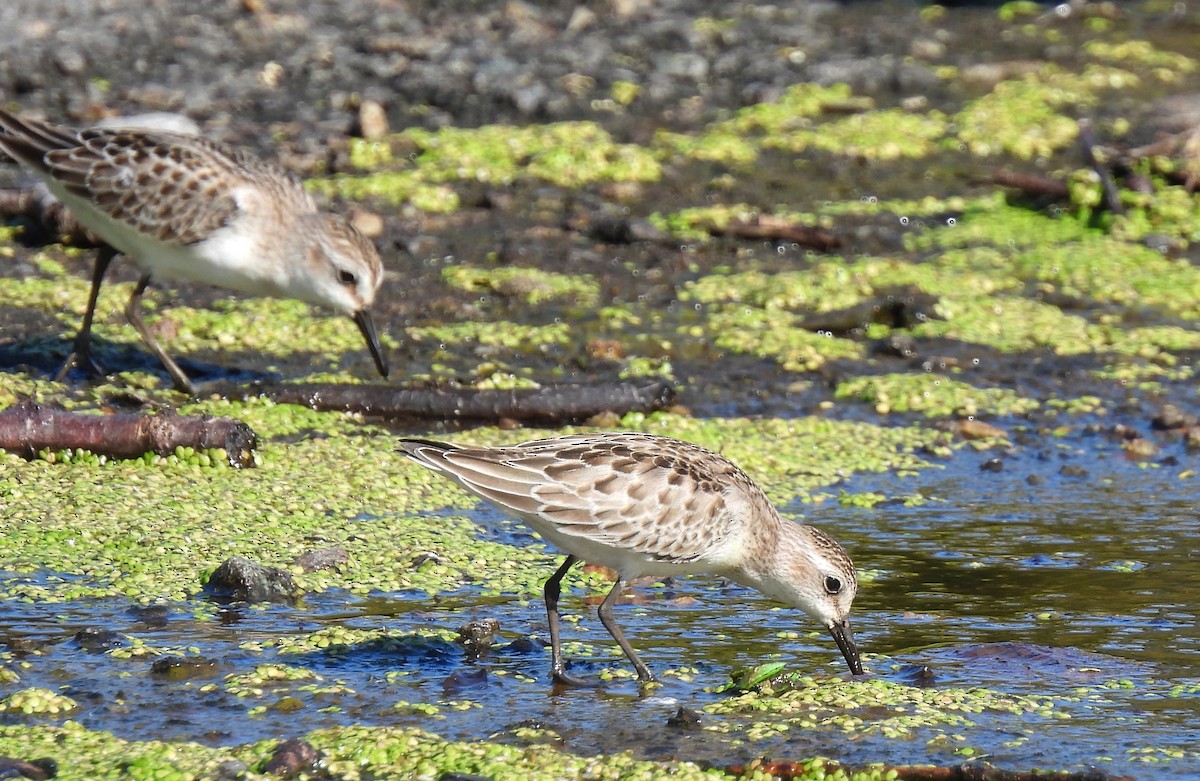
[476, 637]
[919, 675]
[178, 668]
[38, 769]
[291, 758]
[241, 580]
[151, 615]
[462, 680]
[96, 639]
[684, 718]
[324, 558]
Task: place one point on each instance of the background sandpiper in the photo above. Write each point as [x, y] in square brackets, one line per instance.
[185, 207]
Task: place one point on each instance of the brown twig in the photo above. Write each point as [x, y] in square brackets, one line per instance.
[778, 229]
[549, 404]
[1031, 184]
[28, 428]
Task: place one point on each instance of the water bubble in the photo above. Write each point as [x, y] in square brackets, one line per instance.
[903, 220]
[1063, 10]
[951, 222]
[781, 250]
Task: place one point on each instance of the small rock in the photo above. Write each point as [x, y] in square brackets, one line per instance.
[322, 558]
[372, 120]
[291, 758]
[241, 580]
[684, 718]
[461, 680]
[896, 344]
[1139, 448]
[972, 429]
[918, 675]
[1170, 418]
[179, 668]
[476, 637]
[38, 769]
[151, 615]
[96, 639]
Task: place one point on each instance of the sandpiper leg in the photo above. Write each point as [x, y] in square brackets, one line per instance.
[606, 618]
[133, 312]
[552, 591]
[81, 356]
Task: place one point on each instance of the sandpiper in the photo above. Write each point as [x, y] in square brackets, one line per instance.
[647, 505]
[185, 207]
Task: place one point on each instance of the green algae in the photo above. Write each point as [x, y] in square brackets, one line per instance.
[932, 395]
[889, 134]
[877, 707]
[35, 701]
[743, 330]
[414, 166]
[700, 222]
[530, 285]
[1025, 117]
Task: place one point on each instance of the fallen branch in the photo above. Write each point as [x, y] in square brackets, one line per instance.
[27, 429]
[1031, 184]
[778, 229]
[967, 772]
[550, 404]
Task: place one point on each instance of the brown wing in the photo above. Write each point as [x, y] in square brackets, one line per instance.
[660, 497]
[175, 188]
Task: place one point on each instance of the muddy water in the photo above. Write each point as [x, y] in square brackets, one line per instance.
[1026, 581]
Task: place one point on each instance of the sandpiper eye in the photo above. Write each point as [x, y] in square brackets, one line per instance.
[347, 277]
[832, 584]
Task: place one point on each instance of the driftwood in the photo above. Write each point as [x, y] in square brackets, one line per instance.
[774, 228]
[966, 772]
[28, 428]
[550, 404]
[1031, 184]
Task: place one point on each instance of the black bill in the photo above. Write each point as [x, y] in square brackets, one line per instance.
[363, 319]
[845, 643]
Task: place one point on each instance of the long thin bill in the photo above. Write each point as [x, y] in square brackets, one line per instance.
[363, 319]
[845, 643]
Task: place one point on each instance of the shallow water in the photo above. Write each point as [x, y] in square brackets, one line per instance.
[1080, 586]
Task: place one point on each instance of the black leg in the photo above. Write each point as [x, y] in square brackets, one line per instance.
[82, 354]
[133, 312]
[553, 591]
[606, 618]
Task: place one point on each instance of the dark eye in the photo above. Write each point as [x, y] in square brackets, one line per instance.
[832, 584]
[347, 277]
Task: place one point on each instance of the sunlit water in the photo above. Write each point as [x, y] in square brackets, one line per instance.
[1095, 574]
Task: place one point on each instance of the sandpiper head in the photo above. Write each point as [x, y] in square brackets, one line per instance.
[345, 273]
[814, 573]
